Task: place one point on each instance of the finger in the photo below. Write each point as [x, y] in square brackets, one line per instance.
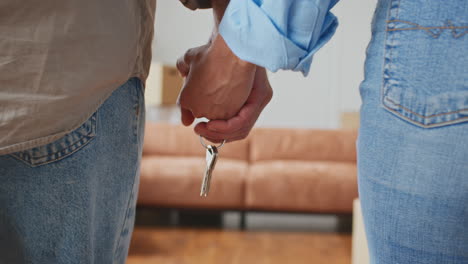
[240, 137]
[187, 117]
[190, 54]
[239, 126]
[244, 119]
[217, 138]
[201, 129]
[208, 137]
[251, 110]
[216, 141]
[183, 67]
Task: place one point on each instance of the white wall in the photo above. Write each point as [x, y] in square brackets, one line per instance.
[178, 29]
[312, 102]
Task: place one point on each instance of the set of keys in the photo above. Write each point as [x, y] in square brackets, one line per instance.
[211, 158]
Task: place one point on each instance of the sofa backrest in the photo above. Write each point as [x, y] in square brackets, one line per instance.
[263, 144]
[177, 140]
[302, 144]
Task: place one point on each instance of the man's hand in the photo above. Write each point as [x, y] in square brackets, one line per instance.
[217, 82]
[239, 127]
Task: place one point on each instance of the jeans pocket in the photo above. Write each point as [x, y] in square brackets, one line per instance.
[425, 64]
[61, 148]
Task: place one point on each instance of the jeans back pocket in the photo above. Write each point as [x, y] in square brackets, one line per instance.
[426, 62]
[61, 148]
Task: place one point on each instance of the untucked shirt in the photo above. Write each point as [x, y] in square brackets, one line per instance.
[278, 34]
[60, 59]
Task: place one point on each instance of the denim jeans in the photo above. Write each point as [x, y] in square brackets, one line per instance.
[413, 139]
[73, 201]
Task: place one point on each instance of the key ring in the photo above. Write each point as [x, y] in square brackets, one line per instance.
[205, 146]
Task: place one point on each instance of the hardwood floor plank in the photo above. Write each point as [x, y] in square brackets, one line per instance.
[193, 246]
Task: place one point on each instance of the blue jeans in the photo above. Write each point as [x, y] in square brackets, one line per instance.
[73, 201]
[413, 140]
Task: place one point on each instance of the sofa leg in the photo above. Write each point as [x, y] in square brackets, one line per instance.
[243, 223]
[344, 223]
[146, 216]
[194, 218]
[174, 217]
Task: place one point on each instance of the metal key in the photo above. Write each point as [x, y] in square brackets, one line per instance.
[211, 158]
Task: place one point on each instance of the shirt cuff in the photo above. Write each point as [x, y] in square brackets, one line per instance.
[254, 35]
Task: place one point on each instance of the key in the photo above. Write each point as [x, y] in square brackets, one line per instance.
[211, 158]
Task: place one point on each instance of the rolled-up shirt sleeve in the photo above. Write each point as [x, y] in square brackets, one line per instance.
[278, 34]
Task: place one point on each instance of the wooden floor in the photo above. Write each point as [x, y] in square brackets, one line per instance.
[193, 246]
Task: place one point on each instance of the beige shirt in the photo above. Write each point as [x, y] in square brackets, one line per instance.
[60, 59]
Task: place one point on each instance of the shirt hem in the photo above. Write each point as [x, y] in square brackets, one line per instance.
[9, 149]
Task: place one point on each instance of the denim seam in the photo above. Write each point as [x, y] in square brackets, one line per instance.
[451, 122]
[424, 116]
[93, 129]
[137, 98]
[125, 220]
[384, 70]
[66, 152]
[387, 69]
[28, 162]
[449, 25]
[74, 144]
[51, 138]
[397, 15]
[124, 223]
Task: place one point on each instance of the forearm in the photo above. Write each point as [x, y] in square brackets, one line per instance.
[278, 34]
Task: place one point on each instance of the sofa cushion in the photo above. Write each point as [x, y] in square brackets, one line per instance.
[303, 144]
[175, 182]
[316, 187]
[177, 140]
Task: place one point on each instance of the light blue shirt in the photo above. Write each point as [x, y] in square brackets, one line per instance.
[278, 34]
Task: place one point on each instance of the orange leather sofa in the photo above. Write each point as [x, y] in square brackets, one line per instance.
[287, 170]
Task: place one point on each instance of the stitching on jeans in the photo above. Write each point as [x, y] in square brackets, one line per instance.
[74, 144]
[439, 124]
[127, 210]
[397, 15]
[455, 34]
[430, 30]
[382, 90]
[88, 137]
[32, 161]
[389, 64]
[139, 89]
[424, 116]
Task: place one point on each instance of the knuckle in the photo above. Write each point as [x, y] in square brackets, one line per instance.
[180, 65]
[269, 94]
[187, 55]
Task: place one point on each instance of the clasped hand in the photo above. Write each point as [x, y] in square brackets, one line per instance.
[219, 86]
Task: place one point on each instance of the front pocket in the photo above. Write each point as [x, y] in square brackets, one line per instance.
[61, 148]
[426, 62]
